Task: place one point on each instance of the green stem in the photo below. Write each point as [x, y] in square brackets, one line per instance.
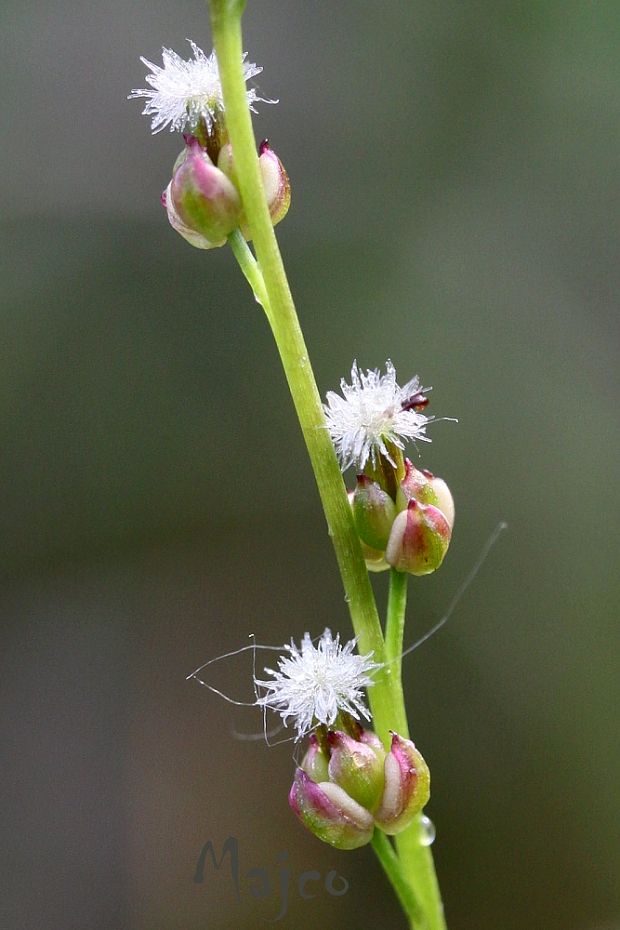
[268, 280]
[416, 859]
[226, 25]
[394, 633]
[250, 269]
[419, 871]
[392, 867]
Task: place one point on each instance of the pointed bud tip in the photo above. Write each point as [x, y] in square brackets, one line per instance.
[407, 786]
[374, 512]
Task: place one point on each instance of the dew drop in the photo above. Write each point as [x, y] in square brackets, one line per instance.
[427, 831]
[303, 361]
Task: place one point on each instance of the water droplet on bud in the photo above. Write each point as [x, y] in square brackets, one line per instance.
[427, 831]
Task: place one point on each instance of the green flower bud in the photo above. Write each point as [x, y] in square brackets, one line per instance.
[356, 767]
[275, 181]
[225, 163]
[315, 763]
[374, 558]
[203, 199]
[407, 786]
[419, 539]
[328, 812]
[194, 238]
[370, 738]
[445, 501]
[374, 512]
[374, 563]
[416, 485]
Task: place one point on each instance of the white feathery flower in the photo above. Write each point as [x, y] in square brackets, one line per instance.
[373, 412]
[314, 683]
[185, 92]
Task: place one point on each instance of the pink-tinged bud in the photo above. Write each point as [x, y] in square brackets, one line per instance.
[328, 812]
[419, 539]
[407, 786]
[357, 768]
[374, 512]
[315, 763]
[370, 738]
[416, 485]
[174, 219]
[445, 501]
[226, 163]
[202, 197]
[275, 181]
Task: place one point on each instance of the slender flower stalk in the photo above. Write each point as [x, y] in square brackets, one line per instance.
[416, 858]
[392, 868]
[412, 870]
[250, 269]
[226, 24]
[395, 622]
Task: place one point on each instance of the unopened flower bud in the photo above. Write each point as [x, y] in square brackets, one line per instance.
[203, 199]
[445, 501]
[373, 511]
[416, 485]
[407, 786]
[225, 163]
[327, 811]
[275, 181]
[315, 762]
[370, 738]
[374, 558]
[375, 561]
[175, 221]
[419, 539]
[356, 767]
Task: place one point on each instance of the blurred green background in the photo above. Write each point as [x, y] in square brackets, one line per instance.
[455, 208]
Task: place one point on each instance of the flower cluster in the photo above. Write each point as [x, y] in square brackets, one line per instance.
[374, 414]
[403, 515]
[348, 785]
[314, 684]
[202, 200]
[183, 94]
